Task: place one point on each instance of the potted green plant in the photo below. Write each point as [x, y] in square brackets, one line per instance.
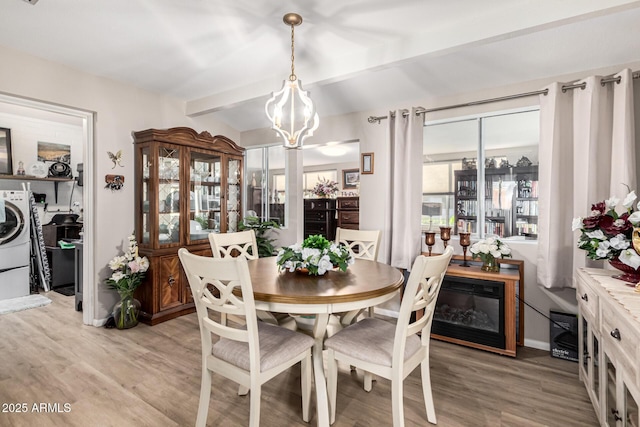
[263, 230]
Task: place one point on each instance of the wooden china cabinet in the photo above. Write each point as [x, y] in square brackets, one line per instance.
[170, 164]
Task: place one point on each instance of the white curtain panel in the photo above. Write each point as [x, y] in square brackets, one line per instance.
[587, 154]
[405, 134]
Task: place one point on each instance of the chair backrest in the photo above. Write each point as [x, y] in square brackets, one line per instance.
[367, 242]
[237, 244]
[420, 292]
[209, 277]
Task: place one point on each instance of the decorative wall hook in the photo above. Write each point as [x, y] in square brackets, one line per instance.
[114, 182]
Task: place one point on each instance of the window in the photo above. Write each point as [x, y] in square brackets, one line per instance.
[265, 182]
[499, 150]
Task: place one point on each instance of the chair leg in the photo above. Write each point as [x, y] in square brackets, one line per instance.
[205, 397]
[254, 406]
[397, 401]
[368, 381]
[426, 391]
[332, 384]
[306, 370]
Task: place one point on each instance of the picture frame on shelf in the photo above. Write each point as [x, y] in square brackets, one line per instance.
[366, 164]
[6, 165]
[350, 178]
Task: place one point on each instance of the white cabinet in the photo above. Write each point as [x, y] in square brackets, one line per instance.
[609, 341]
[589, 340]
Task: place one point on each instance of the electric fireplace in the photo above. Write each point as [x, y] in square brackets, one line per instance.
[481, 309]
[471, 310]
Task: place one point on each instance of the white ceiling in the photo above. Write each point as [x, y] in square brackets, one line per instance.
[224, 57]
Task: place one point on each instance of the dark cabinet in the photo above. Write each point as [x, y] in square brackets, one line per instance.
[320, 218]
[62, 263]
[349, 212]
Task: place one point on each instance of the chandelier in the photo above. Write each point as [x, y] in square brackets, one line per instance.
[291, 105]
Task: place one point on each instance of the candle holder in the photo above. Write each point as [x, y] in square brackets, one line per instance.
[465, 241]
[430, 240]
[445, 235]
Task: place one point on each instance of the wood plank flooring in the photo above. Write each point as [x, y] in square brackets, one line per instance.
[150, 376]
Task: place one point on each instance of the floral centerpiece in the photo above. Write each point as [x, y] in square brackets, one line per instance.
[605, 234]
[488, 250]
[128, 271]
[325, 188]
[316, 255]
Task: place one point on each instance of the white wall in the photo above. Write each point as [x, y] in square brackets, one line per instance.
[119, 110]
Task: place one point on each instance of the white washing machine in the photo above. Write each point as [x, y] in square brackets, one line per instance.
[14, 244]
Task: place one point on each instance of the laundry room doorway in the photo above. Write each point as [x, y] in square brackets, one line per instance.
[82, 121]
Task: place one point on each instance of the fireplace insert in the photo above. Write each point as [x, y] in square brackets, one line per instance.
[471, 310]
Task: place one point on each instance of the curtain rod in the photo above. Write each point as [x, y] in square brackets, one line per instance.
[603, 81]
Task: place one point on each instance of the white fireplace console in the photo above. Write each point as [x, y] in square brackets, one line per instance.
[609, 345]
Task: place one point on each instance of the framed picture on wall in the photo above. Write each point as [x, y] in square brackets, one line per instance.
[53, 152]
[6, 167]
[350, 178]
[366, 165]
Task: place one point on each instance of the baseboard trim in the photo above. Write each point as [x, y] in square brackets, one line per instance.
[540, 345]
[100, 322]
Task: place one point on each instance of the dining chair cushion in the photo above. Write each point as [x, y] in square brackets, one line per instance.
[371, 340]
[277, 345]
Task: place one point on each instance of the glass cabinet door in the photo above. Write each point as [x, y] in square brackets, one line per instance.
[145, 197]
[168, 195]
[205, 203]
[595, 365]
[632, 418]
[233, 206]
[612, 415]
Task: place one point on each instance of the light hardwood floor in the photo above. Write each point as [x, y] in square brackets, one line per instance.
[150, 376]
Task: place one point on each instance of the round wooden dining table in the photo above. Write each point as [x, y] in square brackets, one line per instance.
[364, 284]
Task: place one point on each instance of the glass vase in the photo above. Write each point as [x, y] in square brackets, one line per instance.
[490, 264]
[126, 311]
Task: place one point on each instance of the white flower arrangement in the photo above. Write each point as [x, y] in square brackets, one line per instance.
[128, 269]
[316, 255]
[489, 249]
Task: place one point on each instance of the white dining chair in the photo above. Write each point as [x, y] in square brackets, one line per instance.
[363, 244]
[243, 244]
[249, 354]
[394, 351]
[239, 243]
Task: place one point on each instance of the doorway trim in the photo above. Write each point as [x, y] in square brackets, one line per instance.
[88, 127]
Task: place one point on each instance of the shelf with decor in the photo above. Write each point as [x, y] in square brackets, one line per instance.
[510, 201]
[170, 164]
[56, 180]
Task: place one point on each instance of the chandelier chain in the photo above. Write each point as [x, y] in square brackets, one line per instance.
[292, 77]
